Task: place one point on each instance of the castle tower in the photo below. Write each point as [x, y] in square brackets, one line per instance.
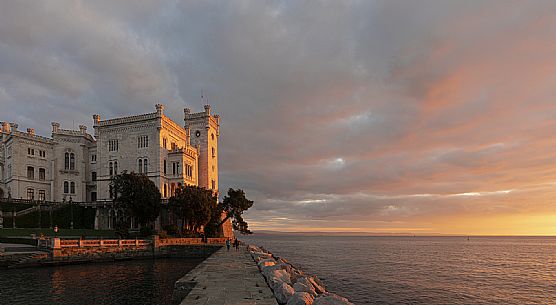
[204, 130]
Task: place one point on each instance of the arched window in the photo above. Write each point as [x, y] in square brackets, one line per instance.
[30, 194]
[72, 161]
[111, 169]
[164, 166]
[72, 187]
[212, 136]
[66, 187]
[67, 161]
[145, 166]
[165, 190]
[140, 167]
[115, 167]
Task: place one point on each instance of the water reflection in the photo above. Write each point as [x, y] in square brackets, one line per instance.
[129, 282]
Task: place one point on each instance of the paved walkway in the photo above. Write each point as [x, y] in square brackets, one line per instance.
[227, 278]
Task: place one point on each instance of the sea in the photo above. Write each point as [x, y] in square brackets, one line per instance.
[425, 270]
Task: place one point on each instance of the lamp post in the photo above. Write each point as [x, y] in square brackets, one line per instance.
[71, 211]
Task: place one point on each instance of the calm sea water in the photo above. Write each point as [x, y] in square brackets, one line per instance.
[130, 282]
[426, 270]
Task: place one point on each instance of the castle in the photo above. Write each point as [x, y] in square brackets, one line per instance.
[73, 165]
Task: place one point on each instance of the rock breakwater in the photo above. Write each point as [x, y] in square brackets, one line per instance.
[290, 285]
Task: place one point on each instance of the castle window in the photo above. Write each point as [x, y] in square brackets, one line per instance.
[212, 136]
[42, 174]
[42, 153]
[140, 166]
[9, 170]
[165, 190]
[72, 187]
[164, 166]
[164, 142]
[93, 196]
[72, 161]
[30, 173]
[66, 161]
[94, 176]
[93, 158]
[31, 151]
[213, 152]
[66, 187]
[145, 166]
[30, 194]
[42, 195]
[115, 167]
[142, 141]
[213, 184]
[111, 169]
[113, 145]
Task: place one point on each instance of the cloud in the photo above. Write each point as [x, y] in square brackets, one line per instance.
[375, 115]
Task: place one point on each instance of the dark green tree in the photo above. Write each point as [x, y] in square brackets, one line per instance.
[194, 206]
[233, 206]
[138, 196]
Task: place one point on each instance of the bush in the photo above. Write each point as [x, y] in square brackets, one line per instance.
[146, 231]
[171, 229]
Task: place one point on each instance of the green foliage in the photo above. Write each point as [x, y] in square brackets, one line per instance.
[138, 195]
[10, 206]
[83, 218]
[26, 232]
[122, 228]
[234, 204]
[171, 229]
[194, 206]
[146, 231]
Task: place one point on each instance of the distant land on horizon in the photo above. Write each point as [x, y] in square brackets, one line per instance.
[378, 234]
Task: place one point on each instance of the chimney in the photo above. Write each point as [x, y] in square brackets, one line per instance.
[31, 131]
[207, 109]
[83, 129]
[96, 119]
[159, 109]
[55, 127]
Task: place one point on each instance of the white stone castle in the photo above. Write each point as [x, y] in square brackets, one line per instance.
[77, 166]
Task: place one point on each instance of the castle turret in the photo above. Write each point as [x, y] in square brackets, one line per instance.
[204, 130]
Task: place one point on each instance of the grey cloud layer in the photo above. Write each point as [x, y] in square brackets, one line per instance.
[331, 109]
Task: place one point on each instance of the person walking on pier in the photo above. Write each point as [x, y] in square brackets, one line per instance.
[228, 244]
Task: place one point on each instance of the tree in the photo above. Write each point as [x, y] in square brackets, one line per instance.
[138, 195]
[233, 205]
[194, 206]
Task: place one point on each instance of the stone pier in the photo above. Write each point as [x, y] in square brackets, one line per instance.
[224, 278]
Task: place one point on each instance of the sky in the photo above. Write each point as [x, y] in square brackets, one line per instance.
[414, 117]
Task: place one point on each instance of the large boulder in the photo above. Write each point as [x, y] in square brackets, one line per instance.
[253, 248]
[279, 266]
[300, 298]
[331, 299]
[283, 292]
[278, 276]
[266, 263]
[317, 284]
[258, 256]
[304, 287]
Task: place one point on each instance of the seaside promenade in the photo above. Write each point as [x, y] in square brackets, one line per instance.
[225, 278]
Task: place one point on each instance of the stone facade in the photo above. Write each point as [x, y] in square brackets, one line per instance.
[74, 164]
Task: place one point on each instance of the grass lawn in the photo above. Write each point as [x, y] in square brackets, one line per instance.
[61, 233]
